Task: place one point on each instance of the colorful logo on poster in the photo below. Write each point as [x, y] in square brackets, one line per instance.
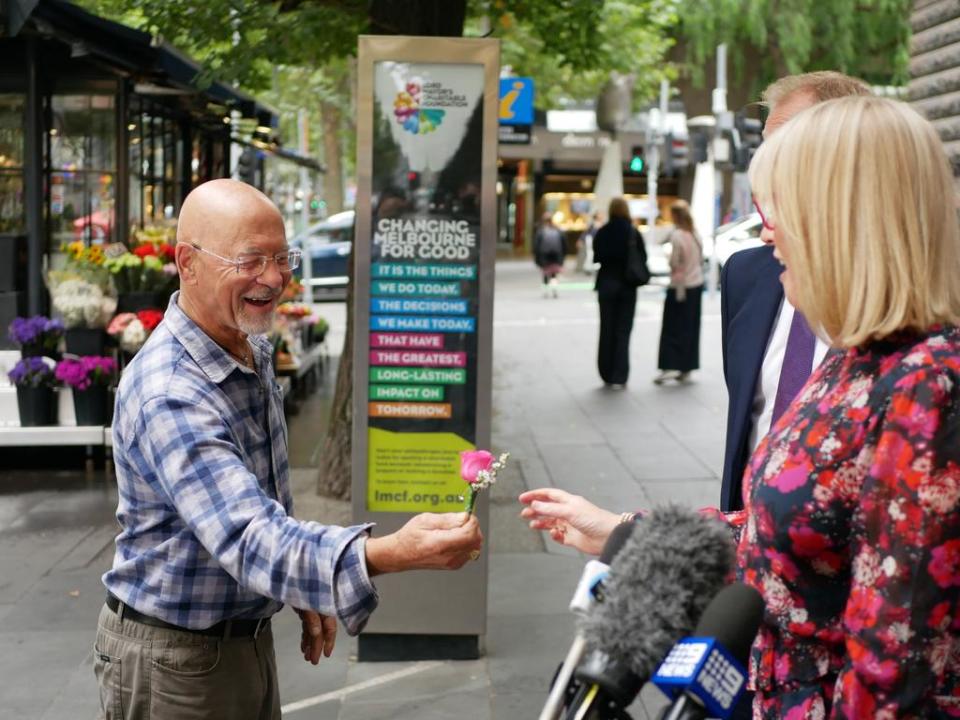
[409, 113]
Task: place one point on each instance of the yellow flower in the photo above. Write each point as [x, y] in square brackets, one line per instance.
[76, 249]
[95, 255]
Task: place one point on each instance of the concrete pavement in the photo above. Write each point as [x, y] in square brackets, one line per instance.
[623, 449]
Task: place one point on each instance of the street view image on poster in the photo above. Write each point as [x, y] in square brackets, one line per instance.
[427, 144]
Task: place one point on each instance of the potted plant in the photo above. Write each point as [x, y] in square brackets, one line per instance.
[144, 277]
[131, 330]
[36, 336]
[320, 328]
[85, 309]
[89, 377]
[34, 379]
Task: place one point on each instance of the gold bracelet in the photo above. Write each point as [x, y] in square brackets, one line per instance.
[626, 517]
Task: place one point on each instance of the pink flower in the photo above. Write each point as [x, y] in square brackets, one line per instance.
[472, 462]
[120, 322]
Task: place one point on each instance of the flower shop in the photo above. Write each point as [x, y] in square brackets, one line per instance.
[103, 132]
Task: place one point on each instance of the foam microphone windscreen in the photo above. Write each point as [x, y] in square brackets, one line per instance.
[669, 569]
[733, 619]
[615, 542]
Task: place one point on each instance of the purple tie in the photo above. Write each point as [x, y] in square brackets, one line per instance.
[797, 363]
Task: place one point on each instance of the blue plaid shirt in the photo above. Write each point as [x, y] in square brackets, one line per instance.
[200, 446]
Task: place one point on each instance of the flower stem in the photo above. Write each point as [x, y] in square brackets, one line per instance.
[471, 501]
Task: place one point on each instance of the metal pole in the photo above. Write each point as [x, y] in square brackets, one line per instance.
[719, 109]
[33, 181]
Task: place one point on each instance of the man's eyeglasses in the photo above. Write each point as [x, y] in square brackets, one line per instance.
[767, 222]
[252, 266]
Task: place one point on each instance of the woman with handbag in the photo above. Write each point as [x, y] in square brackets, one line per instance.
[680, 334]
[621, 271]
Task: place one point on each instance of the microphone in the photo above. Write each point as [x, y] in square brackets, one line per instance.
[671, 566]
[589, 590]
[705, 675]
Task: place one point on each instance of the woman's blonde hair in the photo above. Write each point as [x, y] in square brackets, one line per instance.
[861, 191]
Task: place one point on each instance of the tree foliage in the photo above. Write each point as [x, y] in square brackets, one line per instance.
[867, 38]
[570, 47]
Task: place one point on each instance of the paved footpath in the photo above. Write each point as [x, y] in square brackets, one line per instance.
[623, 449]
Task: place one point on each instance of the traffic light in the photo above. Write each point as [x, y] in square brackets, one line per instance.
[749, 136]
[676, 154]
[700, 147]
[637, 163]
[247, 166]
[413, 180]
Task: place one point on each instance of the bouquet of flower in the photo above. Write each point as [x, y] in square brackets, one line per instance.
[81, 303]
[293, 291]
[87, 263]
[293, 309]
[33, 372]
[132, 272]
[479, 469]
[83, 372]
[132, 329]
[38, 332]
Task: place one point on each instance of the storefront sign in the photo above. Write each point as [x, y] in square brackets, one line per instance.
[516, 134]
[425, 244]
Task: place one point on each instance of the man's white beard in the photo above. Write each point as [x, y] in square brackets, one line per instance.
[251, 326]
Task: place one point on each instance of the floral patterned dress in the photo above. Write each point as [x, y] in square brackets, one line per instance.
[852, 535]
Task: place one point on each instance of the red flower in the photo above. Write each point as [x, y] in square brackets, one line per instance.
[166, 250]
[944, 564]
[807, 543]
[150, 319]
[145, 250]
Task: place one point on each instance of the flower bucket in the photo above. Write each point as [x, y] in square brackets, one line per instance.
[90, 405]
[32, 350]
[38, 406]
[84, 341]
[137, 301]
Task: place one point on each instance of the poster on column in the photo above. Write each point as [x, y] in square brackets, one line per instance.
[420, 341]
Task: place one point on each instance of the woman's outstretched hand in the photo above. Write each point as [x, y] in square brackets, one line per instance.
[570, 519]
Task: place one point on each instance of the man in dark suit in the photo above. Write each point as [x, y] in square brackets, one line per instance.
[768, 351]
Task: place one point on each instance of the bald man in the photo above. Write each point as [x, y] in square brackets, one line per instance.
[208, 549]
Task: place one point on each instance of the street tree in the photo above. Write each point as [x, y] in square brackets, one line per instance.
[767, 39]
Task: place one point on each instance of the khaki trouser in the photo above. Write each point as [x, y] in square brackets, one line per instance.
[151, 673]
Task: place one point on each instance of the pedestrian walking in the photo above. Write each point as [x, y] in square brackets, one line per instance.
[680, 333]
[585, 262]
[616, 295]
[548, 252]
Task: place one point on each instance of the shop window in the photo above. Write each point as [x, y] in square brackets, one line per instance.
[12, 220]
[81, 187]
[155, 156]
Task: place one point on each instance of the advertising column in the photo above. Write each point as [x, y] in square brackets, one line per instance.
[425, 246]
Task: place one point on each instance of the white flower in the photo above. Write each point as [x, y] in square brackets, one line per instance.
[889, 566]
[133, 337]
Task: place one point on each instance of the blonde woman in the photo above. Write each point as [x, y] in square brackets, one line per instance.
[851, 526]
[680, 332]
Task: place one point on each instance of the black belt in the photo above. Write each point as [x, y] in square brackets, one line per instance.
[224, 628]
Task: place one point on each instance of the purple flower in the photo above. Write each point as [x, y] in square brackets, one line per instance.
[32, 372]
[36, 330]
[81, 373]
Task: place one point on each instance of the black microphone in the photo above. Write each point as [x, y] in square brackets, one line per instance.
[590, 590]
[705, 674]
[659, 584]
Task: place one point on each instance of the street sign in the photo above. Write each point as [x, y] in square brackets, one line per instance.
[516, 101]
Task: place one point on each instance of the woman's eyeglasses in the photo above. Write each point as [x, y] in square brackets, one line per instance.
[767, 222]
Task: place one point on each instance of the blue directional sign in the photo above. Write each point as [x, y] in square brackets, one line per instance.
[516, 101]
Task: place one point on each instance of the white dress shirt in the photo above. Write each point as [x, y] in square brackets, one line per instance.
[766, 393]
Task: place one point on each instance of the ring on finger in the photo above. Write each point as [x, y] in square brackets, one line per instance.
[474, 554]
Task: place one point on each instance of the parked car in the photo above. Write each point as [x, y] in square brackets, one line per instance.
[326, 246]
[738, 235]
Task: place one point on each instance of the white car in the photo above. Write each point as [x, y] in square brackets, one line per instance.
[738, 235]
